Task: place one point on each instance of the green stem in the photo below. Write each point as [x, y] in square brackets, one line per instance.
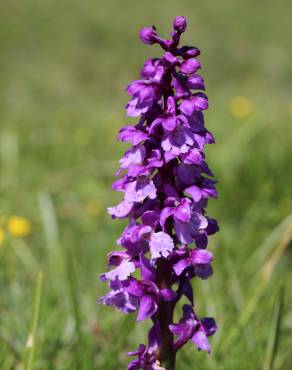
[167, 353]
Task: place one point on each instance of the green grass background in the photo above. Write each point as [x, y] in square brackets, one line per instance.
[63, 68]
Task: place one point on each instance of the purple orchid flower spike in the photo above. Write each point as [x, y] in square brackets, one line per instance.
[166, 184]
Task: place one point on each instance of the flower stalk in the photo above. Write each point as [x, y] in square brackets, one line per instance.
[166, 184]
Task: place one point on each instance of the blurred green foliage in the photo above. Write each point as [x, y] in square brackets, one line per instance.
[63, 68]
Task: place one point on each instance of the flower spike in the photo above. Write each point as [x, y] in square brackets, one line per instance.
[166, 184]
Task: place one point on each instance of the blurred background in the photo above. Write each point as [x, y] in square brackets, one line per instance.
[63, 68]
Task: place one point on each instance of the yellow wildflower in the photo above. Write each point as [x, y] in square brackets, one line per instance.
[18, 226]
[93, 208]
[241, 107]
[2, 236]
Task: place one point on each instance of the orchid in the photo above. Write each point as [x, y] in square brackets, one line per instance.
[166, 184]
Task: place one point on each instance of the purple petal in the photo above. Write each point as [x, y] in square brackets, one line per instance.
[148, 35]
[149, 68]
[150, 218]
[187, 173]
[171, 105]
[178, 328]
[121, 299]
[147, 308]
[195, 103]
[132, 135]
[188, 313]
[180, 23]
[137, 191]
[201, 256]
[132, 156]
[183, 332]
[165, 213]
[183, 211]
[183, 232]
[203, 271]
[201, 240]
[198, 221]
[154, 336]
[195, 82]
[134, 365]
[134, 87]
[117, 257]
[161, 244]
[181, 265]
[194, 156]
[195, 192]
[120, 184]
[209, 326]
[190, 66]
[169, 190]
[178, 141]
[212, 227]
[201, 341]
[170, 58]
[187, 290]
[122, 210]
[122, 272]
[139, 351]
[169, 123]
[135, 288]
[147, 271]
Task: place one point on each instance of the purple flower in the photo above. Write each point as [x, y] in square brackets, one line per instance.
[190, 66]
[148, 295]
[187, 231]
[191, 328]
[133, 156]
[124, 266]
[166, 184]
[147, 356]
[144, 94]
[119, 297]
[139, 190]
[121, 210]
[178, 141]
[148, 35]
[180, 209]
[161, 245]
[132, 135]
[196, 102]
[195, 257]
[180, 24]
[168, 120]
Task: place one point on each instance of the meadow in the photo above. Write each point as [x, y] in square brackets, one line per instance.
[63, 69]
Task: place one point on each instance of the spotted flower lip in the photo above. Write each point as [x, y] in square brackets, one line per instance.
[166, 184]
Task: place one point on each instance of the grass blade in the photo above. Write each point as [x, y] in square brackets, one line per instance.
[267, 246]
[264, 279]
[31, 339]
[274, 336]
[62, 260]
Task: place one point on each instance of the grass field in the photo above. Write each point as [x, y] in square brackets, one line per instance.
[63, 69]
